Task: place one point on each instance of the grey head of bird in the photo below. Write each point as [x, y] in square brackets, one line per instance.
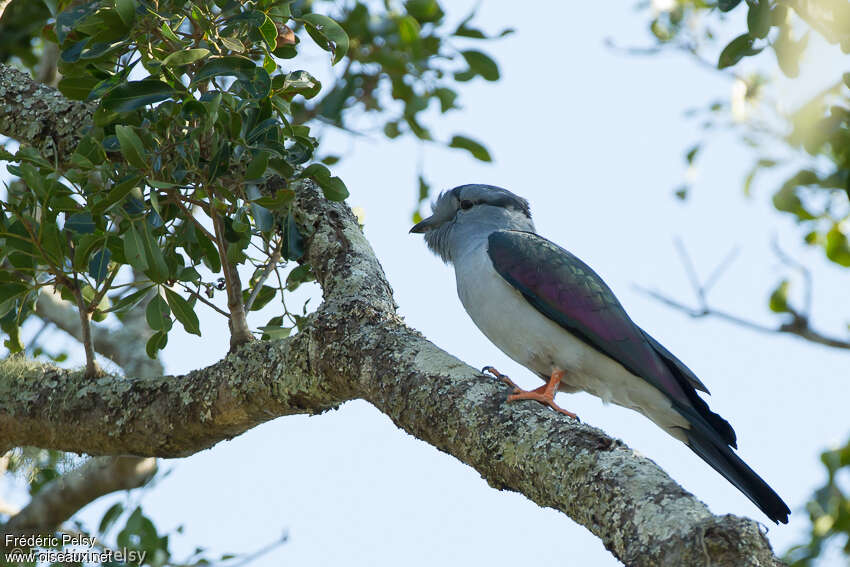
[466, 213]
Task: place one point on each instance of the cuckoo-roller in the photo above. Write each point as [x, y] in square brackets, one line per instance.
[550, 312]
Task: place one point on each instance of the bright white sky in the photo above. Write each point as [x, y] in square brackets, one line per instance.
[594, 140]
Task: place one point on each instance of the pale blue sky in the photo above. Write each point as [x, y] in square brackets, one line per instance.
[595, 141]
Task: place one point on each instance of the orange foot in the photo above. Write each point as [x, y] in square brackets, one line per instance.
[545, 394]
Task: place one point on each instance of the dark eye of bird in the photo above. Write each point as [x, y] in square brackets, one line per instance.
[466, 204]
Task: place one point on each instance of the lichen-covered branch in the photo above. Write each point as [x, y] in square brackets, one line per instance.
[165, 416]
[40, 116]
[3, 5]
[356, 346]
[63, 497]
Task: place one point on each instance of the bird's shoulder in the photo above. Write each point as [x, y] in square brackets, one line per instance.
[536, 263]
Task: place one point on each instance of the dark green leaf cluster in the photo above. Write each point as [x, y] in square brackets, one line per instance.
[203, 122]
[829, 512]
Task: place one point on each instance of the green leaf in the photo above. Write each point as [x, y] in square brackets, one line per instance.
[408, 29]
[301, 82]
[269, 32]
[129, 302]
[91, 150]
[156, 343]
[168, 33]
[12, 290]
[189, 274]
[299, 275]
[158, 314]
[131, 146]
[99, 264]
[184, 312]
[81, 223]
[737, 49]
[229, 66]
[257, 168]
[262, 216]
[779, 298]
[110, 517]
[327, 34]
[788, 51]
[77, 88]
[481, 64]
[265, 295]
[117, 193]
[136, 94]
[84, 248]
[126, 11]
[333, 187]
[134, 249]
[185, 57]
[425, 11]
[478, 151]
[293, 243]
[277, 201]
[275, 332]
[837, 246]
[758, 18]
[257, 85]
[158, 269]
[726, 5]
[67, 20]
[447, 98]
[161, 184]
[232, 44]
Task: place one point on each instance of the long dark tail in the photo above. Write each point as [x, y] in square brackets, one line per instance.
[711, 448]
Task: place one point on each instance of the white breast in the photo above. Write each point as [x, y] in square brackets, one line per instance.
[541, 345]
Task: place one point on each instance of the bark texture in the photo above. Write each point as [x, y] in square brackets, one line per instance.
[356, 346]
[39, 116]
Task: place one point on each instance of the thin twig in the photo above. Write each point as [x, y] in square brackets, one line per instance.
[804, 271]
[271, 265]
[798, 325]
[203, 300]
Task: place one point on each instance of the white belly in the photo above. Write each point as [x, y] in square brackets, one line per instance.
[541, 345]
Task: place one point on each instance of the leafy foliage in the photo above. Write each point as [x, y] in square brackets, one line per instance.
[814, 139]
[829, 511]
[207, 113]
[203, 123]
[816, 192]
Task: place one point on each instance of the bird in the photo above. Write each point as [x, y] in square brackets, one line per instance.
[551, 313]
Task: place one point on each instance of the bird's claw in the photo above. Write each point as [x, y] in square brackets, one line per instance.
[543, 399]
[503, 377]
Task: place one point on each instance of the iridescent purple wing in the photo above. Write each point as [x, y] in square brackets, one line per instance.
[569, 292]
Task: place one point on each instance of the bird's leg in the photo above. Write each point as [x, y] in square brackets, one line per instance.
[544, 394]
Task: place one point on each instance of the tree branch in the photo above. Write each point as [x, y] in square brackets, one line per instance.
[798, 325]
[118, 345]
[64, 496]
[3, 5]
[99, 476]
[355, 345]
[40, 116]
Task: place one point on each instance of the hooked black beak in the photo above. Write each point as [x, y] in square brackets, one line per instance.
[424, 226]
